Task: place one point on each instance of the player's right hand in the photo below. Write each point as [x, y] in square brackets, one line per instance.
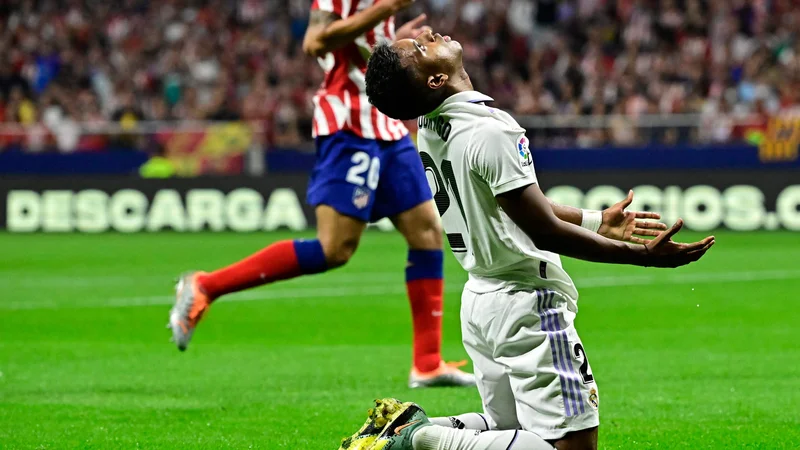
[664, 252]
[412, 28]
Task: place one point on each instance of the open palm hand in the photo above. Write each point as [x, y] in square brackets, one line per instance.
[630, 226]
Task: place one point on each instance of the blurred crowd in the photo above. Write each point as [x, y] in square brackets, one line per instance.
[95, 63]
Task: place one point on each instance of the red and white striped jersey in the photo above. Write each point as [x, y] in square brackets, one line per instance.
[341, 102]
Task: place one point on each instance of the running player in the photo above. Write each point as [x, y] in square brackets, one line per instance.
[519, 305]
[367, 169]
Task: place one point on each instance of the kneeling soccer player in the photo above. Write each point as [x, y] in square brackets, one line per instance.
[519, 305]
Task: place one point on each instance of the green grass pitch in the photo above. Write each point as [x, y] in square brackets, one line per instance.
[707, 356]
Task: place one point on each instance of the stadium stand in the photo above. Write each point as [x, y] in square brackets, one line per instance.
[68, 66]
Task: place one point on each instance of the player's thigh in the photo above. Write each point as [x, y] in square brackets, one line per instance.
[554, 388]
[420, 226]
[578, 440]
[492, 378]
[346, 175]
[402, 185]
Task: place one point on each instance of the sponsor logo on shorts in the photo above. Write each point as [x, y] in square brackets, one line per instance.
[523, 148]
[594, 400]
[361, 198]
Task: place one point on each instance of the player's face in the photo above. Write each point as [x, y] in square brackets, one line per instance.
[431, 54]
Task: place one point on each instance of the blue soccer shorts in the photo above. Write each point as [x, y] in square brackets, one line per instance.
[365, 178]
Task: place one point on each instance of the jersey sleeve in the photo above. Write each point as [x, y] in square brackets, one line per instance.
[502, 158]
[338, 7]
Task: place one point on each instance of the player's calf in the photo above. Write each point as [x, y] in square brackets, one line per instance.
[422, 230]
[197, 290]
[468, 421]
[443, 438]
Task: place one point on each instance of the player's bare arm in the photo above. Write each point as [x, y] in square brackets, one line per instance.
[533, 213]
[617, 223]
[328, 31]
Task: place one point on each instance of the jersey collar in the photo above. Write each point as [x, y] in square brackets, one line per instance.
[466, 96]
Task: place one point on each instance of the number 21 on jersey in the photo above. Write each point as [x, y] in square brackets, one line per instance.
[445, 189]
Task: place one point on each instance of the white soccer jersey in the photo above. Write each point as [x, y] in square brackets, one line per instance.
[472, 153]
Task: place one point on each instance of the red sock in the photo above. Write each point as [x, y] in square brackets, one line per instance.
[426, 310]
[279, 261]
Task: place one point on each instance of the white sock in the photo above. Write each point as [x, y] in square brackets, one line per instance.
[436, 437]
[469, 421]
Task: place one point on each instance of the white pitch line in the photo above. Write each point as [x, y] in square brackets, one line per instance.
[398, 288]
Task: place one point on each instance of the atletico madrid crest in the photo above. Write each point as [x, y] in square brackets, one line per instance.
[361, 198]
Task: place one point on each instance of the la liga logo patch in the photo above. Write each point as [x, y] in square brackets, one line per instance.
[523, 148]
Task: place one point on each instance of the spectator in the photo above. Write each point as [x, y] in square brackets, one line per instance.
[144, 60]
[126, 113]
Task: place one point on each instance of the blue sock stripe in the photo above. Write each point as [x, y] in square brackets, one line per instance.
[425, 265]
[310, 256]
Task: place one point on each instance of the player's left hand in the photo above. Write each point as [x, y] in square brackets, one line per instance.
[628, 225]
[413, 28]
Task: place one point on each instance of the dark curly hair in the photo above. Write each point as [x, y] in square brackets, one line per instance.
[391, 86]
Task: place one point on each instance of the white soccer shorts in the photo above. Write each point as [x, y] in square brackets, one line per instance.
[530, 365]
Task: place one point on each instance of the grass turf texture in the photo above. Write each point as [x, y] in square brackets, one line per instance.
[700, 357]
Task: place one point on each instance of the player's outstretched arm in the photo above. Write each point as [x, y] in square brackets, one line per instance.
[533, 213]
[615, 222]
[327, 31]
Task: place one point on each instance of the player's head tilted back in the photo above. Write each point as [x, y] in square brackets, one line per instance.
[412, 77]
